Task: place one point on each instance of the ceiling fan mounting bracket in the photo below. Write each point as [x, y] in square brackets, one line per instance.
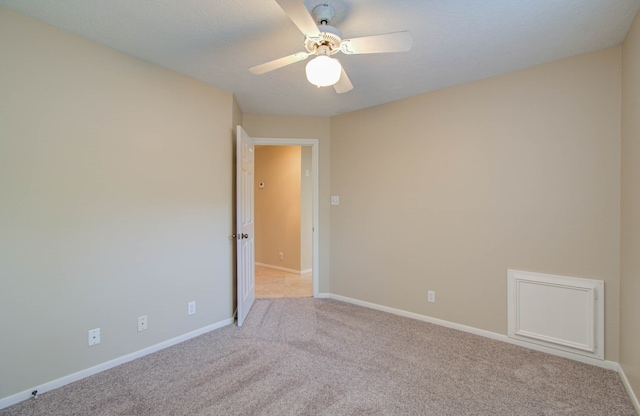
[322, 14]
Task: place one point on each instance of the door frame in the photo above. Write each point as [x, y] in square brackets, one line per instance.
[260, 141]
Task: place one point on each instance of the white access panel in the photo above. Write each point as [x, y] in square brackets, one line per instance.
[561, 312]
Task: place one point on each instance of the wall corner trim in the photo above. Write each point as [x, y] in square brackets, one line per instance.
[62, 381]
[630, 392]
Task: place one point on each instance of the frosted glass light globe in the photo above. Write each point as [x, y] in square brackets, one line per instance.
[323, 71]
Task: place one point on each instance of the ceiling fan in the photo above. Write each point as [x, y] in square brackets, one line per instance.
[324, 40]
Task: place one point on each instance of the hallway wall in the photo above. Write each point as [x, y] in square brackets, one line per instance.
[277, 206]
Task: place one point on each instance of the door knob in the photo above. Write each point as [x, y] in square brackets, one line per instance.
[245, 235]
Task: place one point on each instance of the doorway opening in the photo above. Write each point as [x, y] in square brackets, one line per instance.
[283, 196]
[286, 219]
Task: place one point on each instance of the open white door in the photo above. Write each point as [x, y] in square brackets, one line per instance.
[244, 227]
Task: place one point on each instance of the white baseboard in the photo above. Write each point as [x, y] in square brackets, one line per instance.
[610, 365]
[24, 395]
[627, 386]
[283, 269]
[62, 381]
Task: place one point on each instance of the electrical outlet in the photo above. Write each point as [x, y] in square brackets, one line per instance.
[281, 256]
[431, 296]
[94, 337]
[191, 307]
[142, 323]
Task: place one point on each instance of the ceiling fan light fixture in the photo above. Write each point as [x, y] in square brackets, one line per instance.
[323, 71]
[323, 40]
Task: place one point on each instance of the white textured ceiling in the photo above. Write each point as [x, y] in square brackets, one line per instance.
[455, 41]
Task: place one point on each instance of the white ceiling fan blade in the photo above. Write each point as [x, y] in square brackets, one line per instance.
[299, 15]
[390, 42]
[344, 83]
[279, 63]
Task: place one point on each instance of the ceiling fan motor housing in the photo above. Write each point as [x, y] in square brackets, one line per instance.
[329, 36]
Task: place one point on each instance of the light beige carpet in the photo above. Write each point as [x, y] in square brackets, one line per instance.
[309, 356]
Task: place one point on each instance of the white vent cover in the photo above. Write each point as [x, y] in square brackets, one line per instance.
[561, 312]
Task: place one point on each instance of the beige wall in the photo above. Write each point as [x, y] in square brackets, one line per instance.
[630, 265]
[446, 191]
[277, 205]
[303, 127]
[115, 188]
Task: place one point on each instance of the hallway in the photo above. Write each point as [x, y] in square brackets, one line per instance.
[271, 283]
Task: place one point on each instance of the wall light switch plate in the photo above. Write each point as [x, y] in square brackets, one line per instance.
[335, 200]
